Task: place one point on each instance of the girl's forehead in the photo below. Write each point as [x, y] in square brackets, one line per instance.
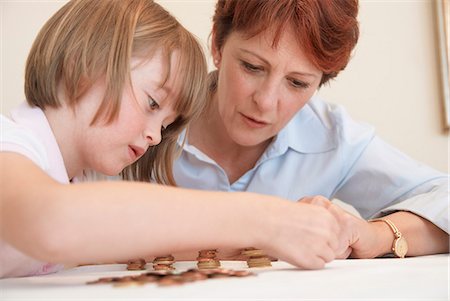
[160, 65]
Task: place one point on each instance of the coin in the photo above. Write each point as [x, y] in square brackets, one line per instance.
[252, 252]
[168, 278]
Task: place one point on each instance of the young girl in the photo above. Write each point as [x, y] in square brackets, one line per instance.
[106, 82]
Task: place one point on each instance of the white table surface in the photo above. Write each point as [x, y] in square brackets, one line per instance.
[419, 278]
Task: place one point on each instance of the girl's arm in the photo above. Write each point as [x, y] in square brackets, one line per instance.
[116, 221]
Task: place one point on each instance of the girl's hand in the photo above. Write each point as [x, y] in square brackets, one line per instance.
[304, 235]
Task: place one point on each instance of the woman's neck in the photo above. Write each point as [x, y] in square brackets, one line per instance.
[210, 136]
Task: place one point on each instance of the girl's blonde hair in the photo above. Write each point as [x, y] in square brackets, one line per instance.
[87, 40]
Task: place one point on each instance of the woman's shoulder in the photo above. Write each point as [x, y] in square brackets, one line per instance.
[321, 125]
[332, 115]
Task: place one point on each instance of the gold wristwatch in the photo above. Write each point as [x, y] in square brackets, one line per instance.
[399, 246]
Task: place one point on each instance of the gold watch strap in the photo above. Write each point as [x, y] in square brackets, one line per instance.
[399, 245]
[391, 225]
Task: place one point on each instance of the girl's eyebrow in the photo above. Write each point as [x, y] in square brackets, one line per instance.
[267, 63]
[166, 89]
[162, 85]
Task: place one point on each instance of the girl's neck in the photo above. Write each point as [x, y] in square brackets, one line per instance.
[62, 123]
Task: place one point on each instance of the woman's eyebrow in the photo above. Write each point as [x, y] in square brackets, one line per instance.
[255, 54]
[304, 74]
[267, 63]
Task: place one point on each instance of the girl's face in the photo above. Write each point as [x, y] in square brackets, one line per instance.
[146, 109]
[260, 88]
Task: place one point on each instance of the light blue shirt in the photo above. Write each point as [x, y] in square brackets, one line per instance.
[322, 151]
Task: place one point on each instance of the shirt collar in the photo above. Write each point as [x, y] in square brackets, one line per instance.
[309, 131]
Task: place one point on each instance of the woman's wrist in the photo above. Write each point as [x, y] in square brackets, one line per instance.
[384, 238]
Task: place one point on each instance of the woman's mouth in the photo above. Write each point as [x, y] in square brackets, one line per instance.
[253, 122]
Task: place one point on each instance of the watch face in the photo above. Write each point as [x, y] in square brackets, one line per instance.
[400, 247]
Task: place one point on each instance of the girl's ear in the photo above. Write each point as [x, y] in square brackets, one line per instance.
[215, 51]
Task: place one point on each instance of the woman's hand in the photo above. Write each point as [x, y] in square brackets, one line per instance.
[357, 237]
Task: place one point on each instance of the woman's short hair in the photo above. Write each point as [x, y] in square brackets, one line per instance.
[88, 40]
[327, 30]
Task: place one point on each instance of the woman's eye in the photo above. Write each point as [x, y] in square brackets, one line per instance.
[299, 84]
[153, 105]
[251, 67]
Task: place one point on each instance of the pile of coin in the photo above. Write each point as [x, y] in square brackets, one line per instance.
[207, 259]
[256, 258]
[136, 264]
[164, 263]
[167, 278]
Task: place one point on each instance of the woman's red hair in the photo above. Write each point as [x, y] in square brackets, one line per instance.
[327, 30]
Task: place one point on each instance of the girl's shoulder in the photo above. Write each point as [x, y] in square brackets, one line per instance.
[21, 139]
[28, 132]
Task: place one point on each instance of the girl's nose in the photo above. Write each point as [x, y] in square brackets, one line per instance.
[153, 134]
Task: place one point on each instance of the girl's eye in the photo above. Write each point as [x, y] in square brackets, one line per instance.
[250, 67]
[153, 105]
[299, 84]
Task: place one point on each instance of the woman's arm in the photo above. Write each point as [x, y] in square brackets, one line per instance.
[362, 239]
[422, 236]
[378, 180]
[116, 221]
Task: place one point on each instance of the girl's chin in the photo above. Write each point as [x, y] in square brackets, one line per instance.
[113, 172]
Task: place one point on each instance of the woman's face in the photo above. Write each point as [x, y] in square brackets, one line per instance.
[146, 108]
[260, 88]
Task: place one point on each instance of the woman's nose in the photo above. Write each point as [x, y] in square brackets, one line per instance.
[266, 97]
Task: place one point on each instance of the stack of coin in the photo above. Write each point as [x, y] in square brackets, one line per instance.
[207, 260]
[256, 258]
[136, 264]
[164, 263]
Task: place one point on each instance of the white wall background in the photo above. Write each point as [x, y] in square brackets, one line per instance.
[392, 82]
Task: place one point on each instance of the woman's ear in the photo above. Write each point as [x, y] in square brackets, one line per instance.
[216, 55]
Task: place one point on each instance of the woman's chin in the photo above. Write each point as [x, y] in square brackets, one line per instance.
[249, 140]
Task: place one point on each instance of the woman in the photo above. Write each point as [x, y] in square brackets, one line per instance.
[264, 130]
